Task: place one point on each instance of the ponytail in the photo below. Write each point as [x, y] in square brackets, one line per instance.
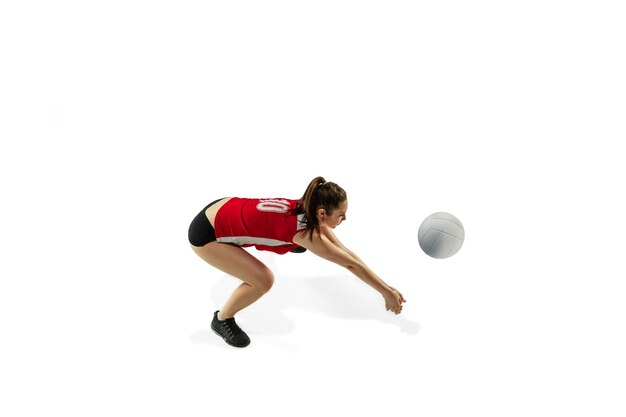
[319, 194]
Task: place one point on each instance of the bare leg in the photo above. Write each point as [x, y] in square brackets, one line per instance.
[233, 260]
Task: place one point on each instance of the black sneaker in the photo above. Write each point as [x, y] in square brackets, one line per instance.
[299, 249]
[230, 332]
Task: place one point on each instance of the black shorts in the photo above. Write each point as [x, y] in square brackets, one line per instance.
[200, 230]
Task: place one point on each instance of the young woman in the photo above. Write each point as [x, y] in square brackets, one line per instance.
[222, 228]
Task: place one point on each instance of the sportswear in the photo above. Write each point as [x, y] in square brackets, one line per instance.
[266, 223]
[230, 331]
[200, 230]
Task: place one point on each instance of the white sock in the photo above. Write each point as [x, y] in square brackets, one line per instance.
[220, 317]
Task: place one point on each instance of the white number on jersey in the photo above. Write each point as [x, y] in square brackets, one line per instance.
[274, 206]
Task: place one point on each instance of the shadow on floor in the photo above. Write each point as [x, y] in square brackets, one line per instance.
[342, 296]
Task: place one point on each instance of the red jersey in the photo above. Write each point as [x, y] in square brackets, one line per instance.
[267, 224]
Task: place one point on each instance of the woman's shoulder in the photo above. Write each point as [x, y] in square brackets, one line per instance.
[314, 235]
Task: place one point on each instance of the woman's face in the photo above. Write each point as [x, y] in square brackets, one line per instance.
[334, 218]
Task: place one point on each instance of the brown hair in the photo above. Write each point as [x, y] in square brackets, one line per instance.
[319, 194]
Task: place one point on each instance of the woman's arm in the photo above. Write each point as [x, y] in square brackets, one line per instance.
[327, 246]
[328, 232]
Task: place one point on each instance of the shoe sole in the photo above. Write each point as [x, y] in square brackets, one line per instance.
[229, 344]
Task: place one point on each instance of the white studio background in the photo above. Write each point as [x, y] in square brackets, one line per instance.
[120, 120]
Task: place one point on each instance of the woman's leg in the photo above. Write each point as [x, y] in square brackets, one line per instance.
[233, 260]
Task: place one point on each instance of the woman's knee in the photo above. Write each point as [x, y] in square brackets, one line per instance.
[264, 281]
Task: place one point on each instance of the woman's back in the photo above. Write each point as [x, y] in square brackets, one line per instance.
[266, 223]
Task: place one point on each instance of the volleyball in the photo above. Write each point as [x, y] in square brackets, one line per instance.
[441, 235]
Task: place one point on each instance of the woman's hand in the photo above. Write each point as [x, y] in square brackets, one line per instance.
[393, 300]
